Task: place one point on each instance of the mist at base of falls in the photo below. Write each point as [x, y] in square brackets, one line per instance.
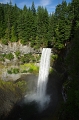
[40, 96]
[29, 109]
[41, 102]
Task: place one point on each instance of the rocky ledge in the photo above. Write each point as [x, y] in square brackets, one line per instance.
[17, 46]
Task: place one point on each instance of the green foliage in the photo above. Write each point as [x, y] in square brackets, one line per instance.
[4, 41]
[63, 25]
[42, 25]
[2, 57]
[13, 71]
[54, 57]
[9, 56]
[33, 9]
[51, 70]
[24, 71]
[17, 53]
[30, 70]
[13, 34]
[29, 67]
[36, 27]
[26, 58]
[25, 68]
[13, 86]
[9, 71]
[21, 84]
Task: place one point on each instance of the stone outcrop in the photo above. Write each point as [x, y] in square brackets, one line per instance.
[15, 46]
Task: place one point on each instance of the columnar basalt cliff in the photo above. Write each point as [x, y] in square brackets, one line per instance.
[17, 46]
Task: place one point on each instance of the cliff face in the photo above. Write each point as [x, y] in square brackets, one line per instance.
[16, 46]
[10, 94]
[13, 47]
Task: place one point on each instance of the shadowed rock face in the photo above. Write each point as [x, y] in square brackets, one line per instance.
[10, 93]
[7, 100]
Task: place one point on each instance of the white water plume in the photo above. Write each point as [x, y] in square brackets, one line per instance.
[41, 97]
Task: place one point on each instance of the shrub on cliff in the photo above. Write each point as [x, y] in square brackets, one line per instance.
[9, 56]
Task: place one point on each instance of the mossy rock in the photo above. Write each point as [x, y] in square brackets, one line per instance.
[10, 93]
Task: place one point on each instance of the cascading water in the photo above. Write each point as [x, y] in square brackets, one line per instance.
[43, 75]
[40, 96]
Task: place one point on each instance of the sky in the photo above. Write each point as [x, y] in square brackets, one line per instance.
[49, 4]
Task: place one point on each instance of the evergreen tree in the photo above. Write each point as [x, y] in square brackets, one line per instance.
[63, 26]
[9, 19]
[51, 30]
[13, 35]
[33, 9]
[19, 25]
[1, 21]
[42, 25]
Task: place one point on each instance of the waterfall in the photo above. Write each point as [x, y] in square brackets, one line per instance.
[43, 73]
[40, 96]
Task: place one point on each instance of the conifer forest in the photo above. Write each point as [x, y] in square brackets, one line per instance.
[58, 30]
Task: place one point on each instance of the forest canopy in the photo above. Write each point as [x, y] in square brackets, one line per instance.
[36, 27]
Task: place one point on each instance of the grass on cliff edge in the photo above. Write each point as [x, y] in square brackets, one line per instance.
[30, 67]
[13, 86]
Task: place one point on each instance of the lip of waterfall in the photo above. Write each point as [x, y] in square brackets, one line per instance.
[40, 96]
